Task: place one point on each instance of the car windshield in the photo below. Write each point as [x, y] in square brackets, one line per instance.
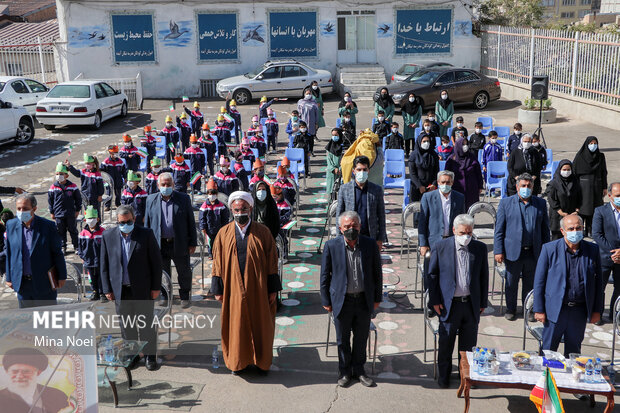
[408, 69]
[255, 72]
[425, 77]
[2, 86]
[70, 91]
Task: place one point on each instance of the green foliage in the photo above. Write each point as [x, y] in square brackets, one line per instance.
[533, 104]
[516, 13]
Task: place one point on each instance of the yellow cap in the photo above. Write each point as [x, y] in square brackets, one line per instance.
[222, 109]
[233, 102]
[168, 119]
[196, 104]
[183, 115]
[263, 99]
[220, 118]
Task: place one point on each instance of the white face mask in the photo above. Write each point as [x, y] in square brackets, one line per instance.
[411, 100]
[493, 141]
[465, 148]
[347, 120]
[459, 125]
[478, 130]
[536, 144]
[463, 240]
[566, 174]
[194, 145]
[91, 222]
[212, 198]
[526, 145]
[444, 97]
[314, 87]
[261, 195]
[425, 145]
[302, 130]
[61, 178]
[128, 145]
[131, 184]
[427, 128]
[395, 130]
[518, 132]
[168, 125]
[445, 145]
[225, 169]
[431, 118]
[308, 97]
[380, 118]
[361, 176]
[233, 108]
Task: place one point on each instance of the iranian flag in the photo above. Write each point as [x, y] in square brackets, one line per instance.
[185, 99]
[171, 146]
[289, 225]
[142, 153]
[228, 117]
[70, 150]
[196, 178]
[545, 394]
[171, 108]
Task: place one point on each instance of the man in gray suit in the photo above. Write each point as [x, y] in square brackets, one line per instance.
[366, 199]
[170, 215]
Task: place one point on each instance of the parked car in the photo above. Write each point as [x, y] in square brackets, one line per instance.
[408, 69]
[81, 103]
[275, 78]
[22, 91]
[464, 86]
[15, 124]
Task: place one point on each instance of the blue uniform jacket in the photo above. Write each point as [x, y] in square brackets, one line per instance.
[64, 199]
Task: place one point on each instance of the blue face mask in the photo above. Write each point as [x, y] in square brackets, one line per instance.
[525, 192]
[617, 201]
[574, 236]
[126, 228]
[335, 138]
[166, 190]
[445, 188]
[24, 216]
[592, 147]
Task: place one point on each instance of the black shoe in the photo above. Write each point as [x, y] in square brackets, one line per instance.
[344, 381]
[163, 303]
[443, 385]
[531, 318]
[510, 316]
[600, 322]
[430, 313]
[103, 299]
[366, 381]
[134, 363]
[151, 363]
[186, 303]
[262, 372]
[94, 297]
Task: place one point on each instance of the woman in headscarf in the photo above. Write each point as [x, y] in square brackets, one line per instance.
[444, 111]
[386, 104]
[412, 113]
[265, 210]
[347, 105]
[423, 168]
[564, 196]
[524, 159]
[334, 153]
[467, 172]
[318, 97]
[590, 168]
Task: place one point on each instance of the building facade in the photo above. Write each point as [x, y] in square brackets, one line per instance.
[177, 45]
[568, 11]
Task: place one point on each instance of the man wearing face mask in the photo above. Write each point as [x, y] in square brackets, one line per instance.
[131, 270]
[568, 287]
[606, 233]
[458, 286]
[366, 199]
[213, 215]
[246, 282]
[351, 290]
[521, 228]
[170, 215]
[32, 248]
[65, 202]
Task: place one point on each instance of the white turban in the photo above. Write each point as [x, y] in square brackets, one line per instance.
[242, 195]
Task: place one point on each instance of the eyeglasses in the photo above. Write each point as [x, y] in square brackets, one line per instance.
[125, 222]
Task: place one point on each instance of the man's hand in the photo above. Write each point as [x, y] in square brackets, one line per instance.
[52, 216]
[99, 198]
[615, 254]
[422, 189]
[19, 190]
[61, 283]
[438, 308]
[192, 250]
[415, 125]
[272, 297]
[424, 250]
[328, 308]
[110, 296]
[219, 298]
[67, 163]
[481, 191]
[380, 245]
[445, 123]
[431, 187]
[595, 317]
[499, 258]
[154, 294]
[77, 213]
[482, 310]
[541, 317]
[377, 305]
[9, 284]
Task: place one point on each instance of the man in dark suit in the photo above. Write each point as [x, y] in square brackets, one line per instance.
[521, 228]
[351, 290]
[131, 276]
[170, 215]
[437, 212]
[458, 285]
[366, 199]
[568, 288]
[606, 233]
[32, 248]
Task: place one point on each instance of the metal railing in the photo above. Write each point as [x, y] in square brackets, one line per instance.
[131, 86]
[586, 65]
[32, 58]
[208, 88]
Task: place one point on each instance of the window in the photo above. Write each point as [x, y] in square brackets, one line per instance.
[271, 73]
[584, 13]
[586, 2]
[35, 87]
[446, 78]
[2, 86]
[569, 2]
[108, 89]
[548, 3]
[290, 71]
[19, 87]
[99, 92]
[70, 91]
[567, 15]
[466, 76]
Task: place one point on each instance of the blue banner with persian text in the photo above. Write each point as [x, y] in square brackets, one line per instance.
[218, 36]
[133, 38]
[423, 31]
[293, 34]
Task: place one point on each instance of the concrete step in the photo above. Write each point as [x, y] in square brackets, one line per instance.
[360, 68]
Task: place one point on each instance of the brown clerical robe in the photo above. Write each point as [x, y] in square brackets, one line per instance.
[248, 320]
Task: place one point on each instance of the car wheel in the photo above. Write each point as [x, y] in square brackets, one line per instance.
[481, 100]
[97, 123]
[49, 127]
[242, 96]
[25, 132]
[124, 109]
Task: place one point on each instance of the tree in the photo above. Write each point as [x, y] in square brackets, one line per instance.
[519, 13]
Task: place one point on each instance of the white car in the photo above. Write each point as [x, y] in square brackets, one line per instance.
[86, 102]
[22, 91]
[15, 124]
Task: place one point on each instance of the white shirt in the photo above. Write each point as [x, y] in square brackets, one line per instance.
[462, 270]
[243, 230]
[445, 206]
[617, 216]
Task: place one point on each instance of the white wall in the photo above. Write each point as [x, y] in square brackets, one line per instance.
[177, 71]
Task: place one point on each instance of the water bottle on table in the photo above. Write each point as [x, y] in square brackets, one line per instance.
[611, 372]
[597, 377]
[109, 350]
[589, 371]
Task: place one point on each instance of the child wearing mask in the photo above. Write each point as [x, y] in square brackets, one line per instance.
[514, 140]
[240, 171]
[115, 167]
[129, 153]
[258, 174]
[148, 142]
[304, 141]
[271, 125]
[347, 106]
[287, 187]
[246, 152]
[197, 161]
[427, 131]
[196, 116]
[90, 179]
[171, 136]
[395, 139]
[286, 164]
[492, 151]
[258, 142]
[254, 128]
[150, 182]
[89, 251]
[207, 142]
[435, 128]
[213, 215]
[185, 130]
[222, 131]
[231, 107]
[348, 130]
[477, 140]
[181, 173]
[542, 151]
[65, 202]
[263, 105]
[226, 180]
[460, 127]
[445, 149]
[135, 196]
[292, 120]
[381, 126]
